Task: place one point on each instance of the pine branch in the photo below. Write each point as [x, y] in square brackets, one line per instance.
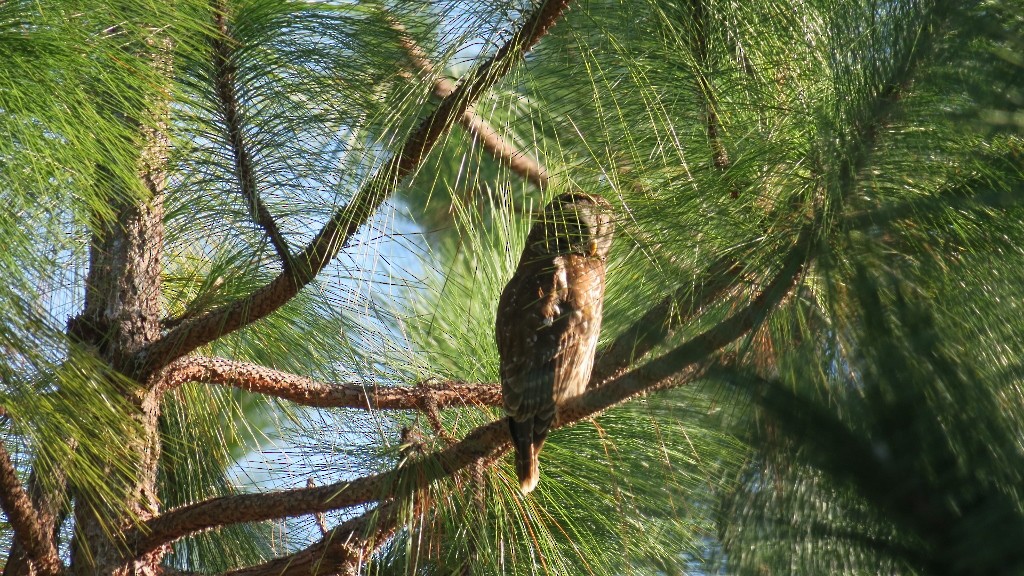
[224, 84]
[203, 329]
[29, 531]
[862, 139]
[672, 369]
[341, 551]
[973, 192]
[494, 143]
[309, 392]
[661, 321]
[236, 509]
[48, 500]
[699, 42]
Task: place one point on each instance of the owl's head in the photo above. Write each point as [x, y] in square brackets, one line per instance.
[574, 223]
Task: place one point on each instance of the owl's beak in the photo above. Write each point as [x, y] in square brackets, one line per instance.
[592, 248]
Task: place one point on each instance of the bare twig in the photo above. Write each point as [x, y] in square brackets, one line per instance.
[321, 520]
[224, 83]
[432, 410]
[309, 392]
[488, 440]
[494, 143]
[29, 531]
[203, 329]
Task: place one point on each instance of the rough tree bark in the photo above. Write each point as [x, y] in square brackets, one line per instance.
[121, 316]
[33, 520]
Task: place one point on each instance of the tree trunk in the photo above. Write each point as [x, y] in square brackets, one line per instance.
[122, 315]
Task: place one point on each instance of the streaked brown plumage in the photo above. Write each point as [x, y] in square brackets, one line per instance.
[549, 318]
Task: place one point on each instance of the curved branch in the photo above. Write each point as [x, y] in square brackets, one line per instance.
[224, 85]
[255, 507]
[494, 143]
[661, 321]
[490, 439]
[504, 151]
[29, 532]
[344, 223]
[48, 500]
[309, 392]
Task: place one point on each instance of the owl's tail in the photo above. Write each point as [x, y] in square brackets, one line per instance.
[527, 452]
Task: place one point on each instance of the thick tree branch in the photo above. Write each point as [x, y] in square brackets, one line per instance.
[203, 329]
[224, 83]
[29, 532]
[49, 500]
[487, 440]
[653, 328]
[256, 507]
[494, 143]
[309, 392]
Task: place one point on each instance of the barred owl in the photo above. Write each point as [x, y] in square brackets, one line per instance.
[549, 317]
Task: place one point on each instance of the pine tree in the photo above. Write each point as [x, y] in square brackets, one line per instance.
[253, 251]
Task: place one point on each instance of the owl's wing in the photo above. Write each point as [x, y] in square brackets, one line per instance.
[549, 316]
[531, 325]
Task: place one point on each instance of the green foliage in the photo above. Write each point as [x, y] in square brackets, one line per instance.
[871, 119]
[871, 423]
[901, 451]
[65, 158]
